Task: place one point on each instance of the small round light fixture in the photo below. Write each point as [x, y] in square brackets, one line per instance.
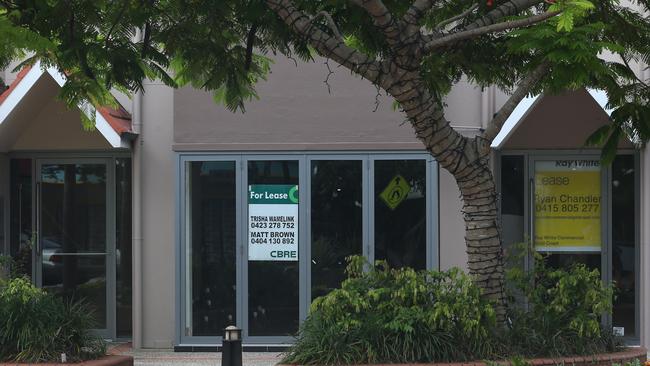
[231, 333]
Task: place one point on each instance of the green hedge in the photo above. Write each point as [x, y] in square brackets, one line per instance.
[385, 315]
[36, 326]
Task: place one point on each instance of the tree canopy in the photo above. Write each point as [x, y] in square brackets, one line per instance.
[414, 50]
[224, 46]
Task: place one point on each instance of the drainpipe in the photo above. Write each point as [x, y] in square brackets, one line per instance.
[137, 216]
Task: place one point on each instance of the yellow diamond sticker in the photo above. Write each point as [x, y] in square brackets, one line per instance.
[395, 192]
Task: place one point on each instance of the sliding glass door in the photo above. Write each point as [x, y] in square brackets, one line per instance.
[262, 235]
[72, 251]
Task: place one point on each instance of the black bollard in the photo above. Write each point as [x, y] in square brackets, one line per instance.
[231, 347]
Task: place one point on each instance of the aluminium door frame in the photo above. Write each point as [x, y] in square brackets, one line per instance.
[109, 252]
[182, 249]
[302, 243]
[304, 159]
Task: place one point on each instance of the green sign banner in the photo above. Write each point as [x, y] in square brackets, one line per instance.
[273, 222]
[273, 194]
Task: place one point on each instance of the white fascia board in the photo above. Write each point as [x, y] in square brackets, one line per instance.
[513, 121]
[600, 96]
[522, 109]
[113, 138]
[23, 87]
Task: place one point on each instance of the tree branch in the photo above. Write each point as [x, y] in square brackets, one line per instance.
[525, 86]
[476, 32]
[416, 11]
[382, 18]
[327, 46]
[507, 9]
[457, 17]
[330, 23]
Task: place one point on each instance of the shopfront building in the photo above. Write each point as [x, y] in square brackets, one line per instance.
[558, 196]
[208, 218]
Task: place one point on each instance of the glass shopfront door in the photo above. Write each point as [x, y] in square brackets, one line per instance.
[71, 244]
[576, 210]
[262, 235]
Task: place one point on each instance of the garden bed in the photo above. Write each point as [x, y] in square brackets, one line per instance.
[607, 359]
[111, 360]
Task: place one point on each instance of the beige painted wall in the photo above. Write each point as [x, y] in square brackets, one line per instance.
[158, 254]
[56, 127]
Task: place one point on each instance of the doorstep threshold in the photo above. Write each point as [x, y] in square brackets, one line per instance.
[250, 347]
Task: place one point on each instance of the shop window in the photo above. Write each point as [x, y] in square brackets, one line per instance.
[21, 230]
[400, 212]
[624, 244]
[123, 245]
[336, 221]
[211, 245]
[273, 292]
[512, 200]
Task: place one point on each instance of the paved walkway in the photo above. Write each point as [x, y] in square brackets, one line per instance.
[164, 358]
[168, 357]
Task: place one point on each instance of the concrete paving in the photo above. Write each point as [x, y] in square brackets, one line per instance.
[164, 358]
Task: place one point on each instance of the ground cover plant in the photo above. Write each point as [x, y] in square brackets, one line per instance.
[36, 326]
[387, 315]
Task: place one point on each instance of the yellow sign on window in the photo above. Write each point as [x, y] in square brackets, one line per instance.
[395, 192]
[568, 206]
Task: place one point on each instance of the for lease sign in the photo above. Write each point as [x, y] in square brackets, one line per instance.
[568, 206]
[272, 222]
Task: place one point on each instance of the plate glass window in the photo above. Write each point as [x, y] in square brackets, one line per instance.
[400, 212]
[211, 247]
[336, 221]
[273, 299]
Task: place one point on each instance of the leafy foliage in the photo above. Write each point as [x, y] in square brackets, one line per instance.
[36, 326]
[562, 314]
[396, 315]
[385, 315]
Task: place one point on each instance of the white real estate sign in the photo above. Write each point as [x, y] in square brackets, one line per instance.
[272, 222]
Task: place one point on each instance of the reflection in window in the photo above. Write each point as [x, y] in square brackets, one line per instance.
[400, 212]
[512, 199]
[624, 247]
[211, 247]
[273, 286]
[20, 219]
[72, 211]
[123, 246]
[336, 221]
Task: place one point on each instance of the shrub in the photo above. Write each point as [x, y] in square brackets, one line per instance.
[563, 312]
[396, 315]
[36, 326]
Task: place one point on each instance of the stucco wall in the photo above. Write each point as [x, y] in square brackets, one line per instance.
[158, 263]
[57, 127]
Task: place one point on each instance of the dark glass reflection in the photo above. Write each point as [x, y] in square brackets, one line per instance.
[272, 286]
[73, 220]
[400, 212]
[512, 198]
[212, 229]
[82, 277]
[624, 247]
[20, 218]
[336, 221]
[123, 246]
[566, 260]
[73, 207]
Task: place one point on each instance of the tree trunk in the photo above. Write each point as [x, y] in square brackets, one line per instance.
[466, 160]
